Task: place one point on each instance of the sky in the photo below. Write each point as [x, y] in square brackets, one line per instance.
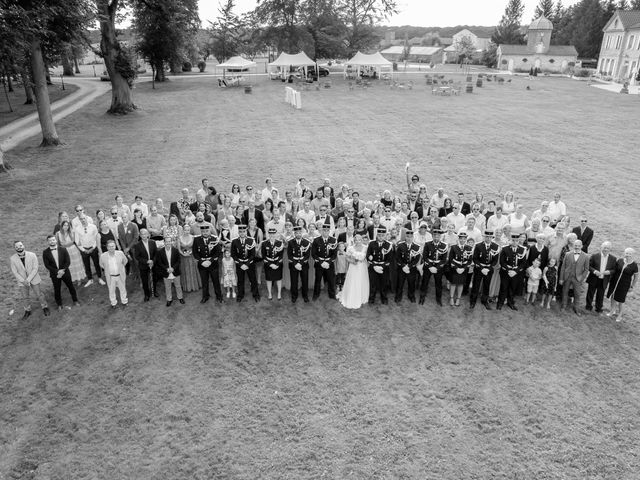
[419, 13]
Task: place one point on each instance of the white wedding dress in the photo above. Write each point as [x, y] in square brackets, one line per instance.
[356, 286]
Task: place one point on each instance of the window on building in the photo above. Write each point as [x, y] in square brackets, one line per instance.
[618, 41]
[630, 42]
[608, 42]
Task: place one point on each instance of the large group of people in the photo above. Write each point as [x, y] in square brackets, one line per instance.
[307, 238]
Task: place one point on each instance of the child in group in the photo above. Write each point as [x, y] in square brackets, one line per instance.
[229, 279]
[341, 266]
[535, 275]
[550, 278]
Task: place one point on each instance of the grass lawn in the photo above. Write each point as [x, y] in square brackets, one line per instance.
[275, 390]
[18, 97]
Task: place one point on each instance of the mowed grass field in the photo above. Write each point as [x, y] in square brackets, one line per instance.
[276, 391]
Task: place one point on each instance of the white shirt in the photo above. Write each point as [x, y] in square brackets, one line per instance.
[86, 239]
[168, 252]
[389, 223]
[266, 194]
[480, 221]
[458, 220]
[494, 223]
[76, 223]
[603, 262]
[113, 225]
[143, 207]
[309, 217]
[557, 210]
[438, 201]
[54, 253]
[113, 265]
[475, 234]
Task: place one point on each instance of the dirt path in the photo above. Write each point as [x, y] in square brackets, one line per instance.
[20, 130]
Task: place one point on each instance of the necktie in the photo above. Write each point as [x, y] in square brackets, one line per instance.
[53, 248]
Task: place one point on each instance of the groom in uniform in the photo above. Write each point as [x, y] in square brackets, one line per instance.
[298, 252]
[324, 251]
[379, 254]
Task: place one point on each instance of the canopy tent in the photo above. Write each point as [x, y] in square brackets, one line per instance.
[286, 60]
[236, 65]
[375, 60]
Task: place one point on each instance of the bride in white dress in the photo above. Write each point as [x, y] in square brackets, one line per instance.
[356, 286]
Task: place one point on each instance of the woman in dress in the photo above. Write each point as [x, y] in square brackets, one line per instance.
[172, 229]
[189, 275]
[355, 292]
[235, 194]
[312, 234]
[446, 209]
[162, 210]
[518, 221]
[287, 236]
[494, 286]
[66, 239]
[300, 222]
[624, 279]
[104, 235]
[341, 226]
[100, 216]
[62, 216]
[386, 199]
[508, 203]
[451, 238]
[267, 213]
[138, 220]
[256, 233]
[226, 210]
[479, 199]
[362, 230]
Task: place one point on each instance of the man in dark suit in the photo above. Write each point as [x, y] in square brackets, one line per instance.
[324, 251]
[485, 257]
[601, 266]
[434, 256]
[407, 259]
[415, 205]
[465, 208]
[584, 234]
[56, 259]
[144, 252]
[347, 237]
[167, 261]
[207, 251]
[298, 252]
[379, 255]
[252, 212]
[574, 270]
[512, 264]
[243, 251]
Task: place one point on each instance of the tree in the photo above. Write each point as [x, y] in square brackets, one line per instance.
[465, 48]
[589, 20]
[635, 5]
[544, 8]
[325, 27]
[39, 30]
[508, 30]
[563, 25]
[224, 32]
[360, 17]
[490, 56]
[623, 5]
[117, 59]
[165, 29]
[282, 20]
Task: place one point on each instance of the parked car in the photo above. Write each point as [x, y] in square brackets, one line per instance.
[311, 71]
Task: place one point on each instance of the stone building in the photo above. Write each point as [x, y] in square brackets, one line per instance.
[620, 50]
[538, 52]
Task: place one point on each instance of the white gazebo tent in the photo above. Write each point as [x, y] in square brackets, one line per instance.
[286, 60]
[236, 64]
[375, 60]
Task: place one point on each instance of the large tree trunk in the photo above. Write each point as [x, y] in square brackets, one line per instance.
[75, 63]
[121, 95]
[160, 73]
[67, 67]
[9, 82]
[3, 165]
[38, 73]
[28, 88]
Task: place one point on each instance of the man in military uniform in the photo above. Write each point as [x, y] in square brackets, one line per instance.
[379, 255]
[272, 251]
[434, 257]
[207, 251]
[485, 257]
[407, 259]
[512, 264]
[243, 252]
[324, 251]
[298, 252]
